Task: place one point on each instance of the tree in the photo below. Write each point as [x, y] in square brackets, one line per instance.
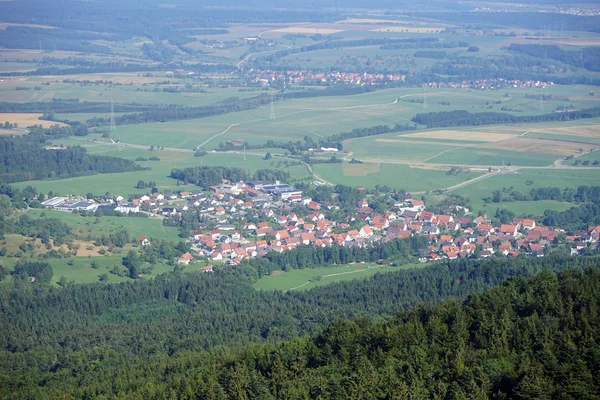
[133, 263]
[268, 156]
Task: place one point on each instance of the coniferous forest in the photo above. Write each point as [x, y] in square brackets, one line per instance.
[215, 336]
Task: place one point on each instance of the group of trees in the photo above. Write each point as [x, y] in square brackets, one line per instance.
[206, 176]
[24, 158]
[465, 118]
[38, 272]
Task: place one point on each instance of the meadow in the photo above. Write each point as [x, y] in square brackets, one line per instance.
[308, 278]
[393, 175]
[101, 226]
[541, 178]
[79, 269]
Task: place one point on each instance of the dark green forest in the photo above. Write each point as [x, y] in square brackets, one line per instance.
[24, 158]
[162, 338]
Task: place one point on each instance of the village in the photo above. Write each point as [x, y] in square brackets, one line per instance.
[304, 76]
[244, 220]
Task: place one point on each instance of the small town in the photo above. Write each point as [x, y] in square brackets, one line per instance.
[267, 77]
[244, 220]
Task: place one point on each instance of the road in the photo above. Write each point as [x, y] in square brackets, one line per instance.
[217, 135]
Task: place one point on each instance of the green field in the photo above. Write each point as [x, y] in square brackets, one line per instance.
[541, 178]
[125, 93]
[92, 226]
[486, 156]
[392, 175]
[82, 272]
[300, 279]
[324, 116]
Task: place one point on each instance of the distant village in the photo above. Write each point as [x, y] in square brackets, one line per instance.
[305, 76]
[250, 219]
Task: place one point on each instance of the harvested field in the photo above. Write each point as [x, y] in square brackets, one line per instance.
[461, 135]
[539, 146]
[15, 132]
[370, 21]
[419, 142]
[432, 29]
[4, 25]
[582, 131]
[359, 169]
[307, 30]
[24, 120]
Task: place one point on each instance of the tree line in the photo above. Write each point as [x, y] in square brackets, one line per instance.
[465, 118]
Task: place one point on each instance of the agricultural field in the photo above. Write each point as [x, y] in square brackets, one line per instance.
[393, 175]
[324, 116]
[127, 88]
[24, 120]
[541, 178]
[308, 278]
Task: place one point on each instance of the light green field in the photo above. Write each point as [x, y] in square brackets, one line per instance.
[481, 156]
[299, 279]
[324, 116]
[84, 226]
[540, 177]
[82, 272]
[136, 93]
[536, 208]
[392, 175]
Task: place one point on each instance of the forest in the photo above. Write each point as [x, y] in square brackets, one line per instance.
[24, 158]
[142, 338]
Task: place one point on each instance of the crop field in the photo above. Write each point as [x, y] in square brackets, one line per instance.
[492, 156]
[560, 178]
[392, 175]
[24, 120]
[322, 116]
[308, 278]
[132, 89]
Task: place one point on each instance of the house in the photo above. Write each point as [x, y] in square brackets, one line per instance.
[144, 241]
[185, 259]
[208, 268]
[308, 238]
[216, 255]
[365, 231]
[508, 229]
[313, 205]
[282, 235]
